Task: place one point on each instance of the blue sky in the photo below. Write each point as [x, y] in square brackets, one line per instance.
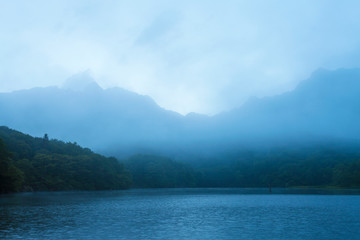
[189, 56]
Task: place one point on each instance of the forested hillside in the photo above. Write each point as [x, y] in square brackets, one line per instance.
[149, 171]
[11, 178]
[321, 165]
[41, 164]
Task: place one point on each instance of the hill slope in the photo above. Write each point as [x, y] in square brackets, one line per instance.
[41, 164]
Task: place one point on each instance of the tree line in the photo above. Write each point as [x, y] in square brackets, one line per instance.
[41, 164]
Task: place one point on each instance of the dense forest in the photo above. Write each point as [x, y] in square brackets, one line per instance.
[41, 164]
[315, 166]
[149, 171]
[328, 164]
[11, 178]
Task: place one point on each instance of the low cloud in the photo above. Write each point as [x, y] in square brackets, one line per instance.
[189, 56]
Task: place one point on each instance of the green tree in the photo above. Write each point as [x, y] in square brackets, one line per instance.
[11, 177]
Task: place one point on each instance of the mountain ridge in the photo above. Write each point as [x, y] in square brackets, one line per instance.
[326, 105]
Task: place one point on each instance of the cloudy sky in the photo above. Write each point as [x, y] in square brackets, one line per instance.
[189, 56]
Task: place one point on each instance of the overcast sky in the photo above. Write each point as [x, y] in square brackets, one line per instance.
[189, 56]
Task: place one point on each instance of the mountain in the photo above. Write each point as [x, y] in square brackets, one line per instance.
[325, 107]
[89, 115]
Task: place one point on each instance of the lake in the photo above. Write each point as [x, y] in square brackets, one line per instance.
[182, 214]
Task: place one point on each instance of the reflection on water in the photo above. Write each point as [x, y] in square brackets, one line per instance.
[182, 214]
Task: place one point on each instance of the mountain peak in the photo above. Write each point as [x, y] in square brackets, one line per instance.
[81, 82]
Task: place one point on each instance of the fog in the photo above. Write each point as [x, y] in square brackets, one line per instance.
[230, 101]
[179, 78]
[189, 56]
[323, 108]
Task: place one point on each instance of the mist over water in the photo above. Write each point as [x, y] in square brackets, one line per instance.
[217, 120]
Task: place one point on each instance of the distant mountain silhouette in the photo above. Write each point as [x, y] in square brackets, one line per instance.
[88, 114]
[326, 106]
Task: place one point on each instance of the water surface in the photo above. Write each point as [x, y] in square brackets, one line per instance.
[182, 214]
